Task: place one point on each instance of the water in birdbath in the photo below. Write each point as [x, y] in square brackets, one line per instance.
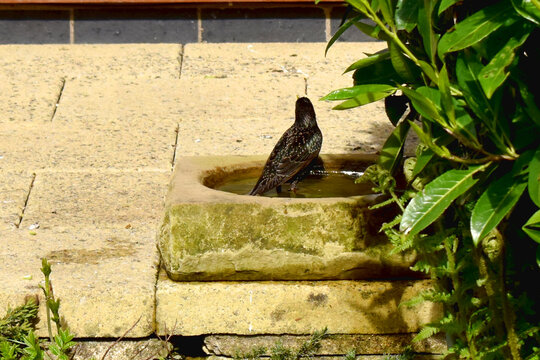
[318, 184]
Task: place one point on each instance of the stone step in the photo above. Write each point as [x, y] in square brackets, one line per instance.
[290, 307]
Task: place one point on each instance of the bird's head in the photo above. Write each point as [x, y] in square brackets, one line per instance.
[305, 114]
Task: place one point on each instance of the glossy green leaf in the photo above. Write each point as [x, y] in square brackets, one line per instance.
[373, 31]
[394, 107]
[495, 203]
[531, 108]
[436, 197]
[538, 256]
[423, 104]
[495, 72]
[446, 98]
[381, 72]
[407, 14]
[429, 71]
[422, 159]
[467, 69]
[466, 126]
[387, 11]
[445, 4]
[475, 27]
[340, 31]
[532, 227]
[369, 61]
[402, 64]
[427, 140]
[392, 150]
[529, 9]
[360, 5]
[425, 27]
[361, 100]
[355, 91]
[534, 178]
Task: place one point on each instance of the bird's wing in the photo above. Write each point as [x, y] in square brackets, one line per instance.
[299, 157]
[287, 159]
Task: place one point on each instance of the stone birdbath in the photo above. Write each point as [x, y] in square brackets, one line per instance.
[212, 235]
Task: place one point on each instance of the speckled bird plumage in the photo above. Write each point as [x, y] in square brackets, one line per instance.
[294, 151]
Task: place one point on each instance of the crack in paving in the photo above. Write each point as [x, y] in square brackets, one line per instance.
[173, 160]
[180, 60]
[18, 224]
[58, 98]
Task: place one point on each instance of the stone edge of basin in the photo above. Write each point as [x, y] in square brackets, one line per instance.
[207, 235]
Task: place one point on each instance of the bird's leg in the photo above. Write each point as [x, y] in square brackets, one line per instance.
[293, 185]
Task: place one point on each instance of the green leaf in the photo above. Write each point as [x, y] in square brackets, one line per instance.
[425, 27]
[361, 100]
[423, 104]
[380, 72]
[406, 14]
[429, 71]
[532, 227]
[392, 150]
[466, 126]
[493, 205]
[445, 4]
[402, 64]
[446, 98]
[467, 69]
[538, 256]
[388, 12]
[436, 197]
[340, 31]
[360, 5]
[529, 9]
[395, 106]
[495, 72]
[370, 60]
[427, 140]
[476, 27]
[530, 103]
[534, 178]
[423, 158]
[373, 31]
[355, 91]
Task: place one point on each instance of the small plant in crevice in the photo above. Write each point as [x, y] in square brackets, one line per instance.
[462, 75]
[17, 337]
[307, 349]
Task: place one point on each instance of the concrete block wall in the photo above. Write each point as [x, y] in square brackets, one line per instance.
[213, 23]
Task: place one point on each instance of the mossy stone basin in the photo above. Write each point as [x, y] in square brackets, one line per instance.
[212, 235]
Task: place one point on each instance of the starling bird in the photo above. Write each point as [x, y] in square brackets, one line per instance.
[293, 153]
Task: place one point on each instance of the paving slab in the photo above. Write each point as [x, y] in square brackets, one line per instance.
[65, 201]
[24, 146]
[273, 60]
[105, 277]
[251, 308]
[104, 61]
[120, 102]
[14, 188]
[235, 116]
[33, 99]
[130, 349]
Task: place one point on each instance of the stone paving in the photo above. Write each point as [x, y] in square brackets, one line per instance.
[88, 138]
